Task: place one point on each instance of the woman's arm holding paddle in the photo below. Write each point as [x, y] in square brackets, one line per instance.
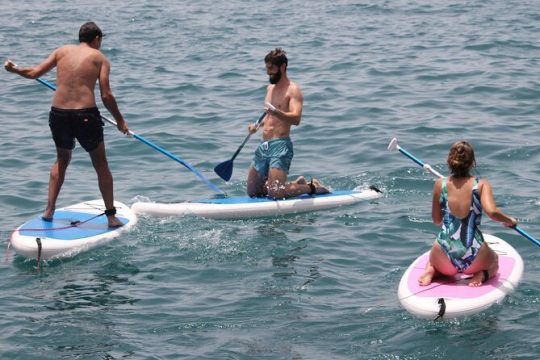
[489, 206]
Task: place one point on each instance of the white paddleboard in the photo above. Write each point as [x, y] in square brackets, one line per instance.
[246, 207]
[459, 298]
[74, 229]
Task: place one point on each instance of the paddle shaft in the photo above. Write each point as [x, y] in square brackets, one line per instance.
[258, 123]
[523, 233]
[419, 162]
[152, 145]
[434, 172]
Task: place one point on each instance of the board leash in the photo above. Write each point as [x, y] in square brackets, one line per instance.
[72, 225]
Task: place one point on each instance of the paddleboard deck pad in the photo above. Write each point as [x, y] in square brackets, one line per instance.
[458, 298]
[75, 228]
[246, 207]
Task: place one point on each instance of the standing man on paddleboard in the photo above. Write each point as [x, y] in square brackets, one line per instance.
[269, 169]
[74, 114]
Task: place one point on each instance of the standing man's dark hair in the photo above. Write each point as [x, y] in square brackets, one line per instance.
[74, 114]
[89, 31]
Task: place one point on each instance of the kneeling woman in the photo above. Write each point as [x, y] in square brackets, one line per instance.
[458, 201]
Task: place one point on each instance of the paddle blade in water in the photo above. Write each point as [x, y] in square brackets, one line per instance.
[224, 170]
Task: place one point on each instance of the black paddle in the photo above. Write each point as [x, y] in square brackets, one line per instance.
[224, 169]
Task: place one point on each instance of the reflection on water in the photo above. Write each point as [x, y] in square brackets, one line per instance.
[75, 314]
[98, 291]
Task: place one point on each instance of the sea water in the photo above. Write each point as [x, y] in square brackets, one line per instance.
[190, 76]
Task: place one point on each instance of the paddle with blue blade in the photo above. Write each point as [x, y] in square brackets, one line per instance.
[153, 146]
[395, 146]
[224, 169]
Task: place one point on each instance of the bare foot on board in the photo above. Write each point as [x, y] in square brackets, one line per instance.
[300, 180]
[114, 222]
[426, 278]
[48, 215]
[479, 278]
[319, 188]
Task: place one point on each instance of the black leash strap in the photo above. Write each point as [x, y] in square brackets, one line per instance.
[110, 212]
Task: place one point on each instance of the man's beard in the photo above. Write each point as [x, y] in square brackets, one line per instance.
[274, 78]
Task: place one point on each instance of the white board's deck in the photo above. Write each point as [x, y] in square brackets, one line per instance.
[245, 207]
[74, 229]
[459, 298]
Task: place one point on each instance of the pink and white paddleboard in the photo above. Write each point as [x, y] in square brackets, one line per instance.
[451, 297]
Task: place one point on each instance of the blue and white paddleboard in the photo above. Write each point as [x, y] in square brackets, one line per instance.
[74, 229]
[246, 207]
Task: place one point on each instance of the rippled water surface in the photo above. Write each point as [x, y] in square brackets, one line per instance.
[190, 76]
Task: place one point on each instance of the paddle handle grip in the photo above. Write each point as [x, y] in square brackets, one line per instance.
[270, 106]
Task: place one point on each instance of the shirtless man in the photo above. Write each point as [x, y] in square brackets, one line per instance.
[267, 175]
[74, 114]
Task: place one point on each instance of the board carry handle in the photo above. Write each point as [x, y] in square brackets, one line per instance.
[153, 146]
[393, 145]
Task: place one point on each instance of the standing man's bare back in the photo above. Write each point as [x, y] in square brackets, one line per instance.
[79, 67]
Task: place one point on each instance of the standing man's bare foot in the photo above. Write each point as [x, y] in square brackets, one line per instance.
[48, 214]
[114, 222]
[112, 219]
